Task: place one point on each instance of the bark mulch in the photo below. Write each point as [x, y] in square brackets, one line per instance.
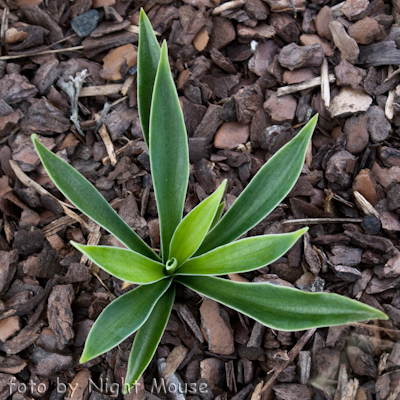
[250, 74]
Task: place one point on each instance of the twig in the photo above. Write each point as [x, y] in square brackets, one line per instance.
[325, 89]
[391, 75]
[39, 53]
[297, 87]
[72, 88]
[135, 29]
[108, 143]
[93, 240]
[291, 356]
[4, 26]
[62, 40]
[7, 229]
[377, 328]
[25, 180]
[314, 221]
[120, 100]
[105, 160]
[101, 90]
[229, 5]
[389, 104]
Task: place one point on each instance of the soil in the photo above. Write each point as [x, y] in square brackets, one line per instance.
[249, 74]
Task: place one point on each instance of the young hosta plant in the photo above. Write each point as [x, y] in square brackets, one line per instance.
[195, 249]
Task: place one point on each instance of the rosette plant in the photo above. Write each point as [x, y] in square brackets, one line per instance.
[202, 245]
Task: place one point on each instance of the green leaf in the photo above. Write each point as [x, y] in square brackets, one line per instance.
[241, 256]
[148, 337]
[122, 317]
[218, 215]
[193, 228]
[86, 198]
[147, 64]
[264, 192]
[280, 307]
[169, 154]
[126, 265]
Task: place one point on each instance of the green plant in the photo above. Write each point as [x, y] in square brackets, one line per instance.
[201, 245]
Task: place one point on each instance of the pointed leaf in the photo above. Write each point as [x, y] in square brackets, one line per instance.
[169, 154]
[126, 265]
[280, 307]
[193, 228]
[218, 215]
[241, 256]
[148, 337]
[264, 192]
[122, 317]
[80, 192]
[147, 64]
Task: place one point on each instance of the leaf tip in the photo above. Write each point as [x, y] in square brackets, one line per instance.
[223, 184]
[83, 359]
[313, 121]
[128, 387]
[304, 230]
[142, 18]
[164, 48]
[381, 315]
[75, 244]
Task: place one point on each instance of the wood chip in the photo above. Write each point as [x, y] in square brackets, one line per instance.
[174, 359]
[58, 225]
[187, 316]
[348, 46]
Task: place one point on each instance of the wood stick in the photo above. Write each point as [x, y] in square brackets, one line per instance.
[135, 29]
[25, 180]
[5, 58]
[228, 6]
[108, 143]
[104, 90]
[392, 74]
[291, 356]
[11, 16]
[105, 160]
[4, 26]
[93, 240]
[325, 89]
[313, 221]
[389, 110]
[312, 83]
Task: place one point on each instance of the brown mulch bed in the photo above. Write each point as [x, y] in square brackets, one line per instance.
[250, 74]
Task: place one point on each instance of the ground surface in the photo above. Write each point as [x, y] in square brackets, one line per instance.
[232, 63]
